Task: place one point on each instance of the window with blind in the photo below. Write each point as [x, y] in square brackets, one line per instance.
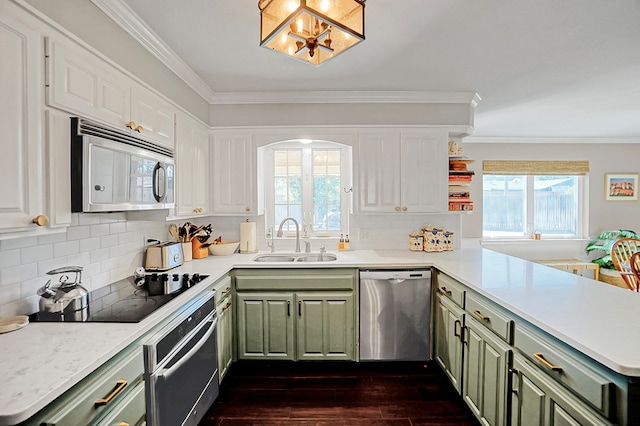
[308, 181]
[520, 198]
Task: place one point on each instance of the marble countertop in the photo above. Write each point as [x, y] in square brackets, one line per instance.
[43, 360]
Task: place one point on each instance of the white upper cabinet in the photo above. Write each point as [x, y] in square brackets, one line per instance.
[21, 162]
[233, 167]
[401, 172]
[192, 167]
[82, 83]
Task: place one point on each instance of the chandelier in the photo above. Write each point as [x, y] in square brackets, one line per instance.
[313, 31]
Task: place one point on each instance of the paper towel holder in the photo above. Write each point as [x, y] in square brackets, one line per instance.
[248, 243]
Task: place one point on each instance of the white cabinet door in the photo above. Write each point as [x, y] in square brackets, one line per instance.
[401, 172]
[81, 83]
[155, 115]
[424, 172]
[192, 167]
[377, 187]
[21, 83]
[233, 168]
[58, 180]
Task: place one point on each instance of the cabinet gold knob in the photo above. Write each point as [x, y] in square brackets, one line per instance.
[404, 208]
[397, 208]
[41, 220]
[131, 125]
[139, 129]
[247, 209]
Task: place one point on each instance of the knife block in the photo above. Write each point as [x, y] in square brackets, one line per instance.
[199, 250]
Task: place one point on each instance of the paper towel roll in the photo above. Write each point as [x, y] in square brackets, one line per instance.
[248, 237]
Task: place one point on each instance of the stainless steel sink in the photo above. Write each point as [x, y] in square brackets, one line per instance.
[297, 257]
[326, 257]
[274, 258]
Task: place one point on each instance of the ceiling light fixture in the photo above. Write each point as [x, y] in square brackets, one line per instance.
[313, 31]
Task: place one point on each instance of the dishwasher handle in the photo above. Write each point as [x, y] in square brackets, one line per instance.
[395, 276]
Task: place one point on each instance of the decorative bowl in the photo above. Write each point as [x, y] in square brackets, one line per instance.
[224, 249]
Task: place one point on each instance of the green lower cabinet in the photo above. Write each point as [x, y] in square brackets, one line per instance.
[485, 372]
[265, 326]
[448, 319]
[325, 326]
[296, 326]
[538, 401]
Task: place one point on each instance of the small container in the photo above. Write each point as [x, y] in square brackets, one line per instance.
[416, 241]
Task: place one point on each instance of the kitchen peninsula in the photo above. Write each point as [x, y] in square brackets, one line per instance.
[43, 360]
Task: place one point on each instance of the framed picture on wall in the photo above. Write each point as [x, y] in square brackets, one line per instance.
[621, 186]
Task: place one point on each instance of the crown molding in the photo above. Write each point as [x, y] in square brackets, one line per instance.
[345, 97]
[533, 140]
[129, 21]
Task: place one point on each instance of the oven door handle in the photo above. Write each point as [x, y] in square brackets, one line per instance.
[165, 373]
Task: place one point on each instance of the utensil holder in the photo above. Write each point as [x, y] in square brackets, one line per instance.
[187, 249]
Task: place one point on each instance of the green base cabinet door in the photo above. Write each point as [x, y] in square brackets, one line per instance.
[265, 326]
[485, 372]
[537, 401]
[448, 319]
[325, 326]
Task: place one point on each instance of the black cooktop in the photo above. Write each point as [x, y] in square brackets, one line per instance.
[125, 301]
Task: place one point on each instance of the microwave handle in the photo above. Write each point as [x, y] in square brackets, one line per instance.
[159, 182]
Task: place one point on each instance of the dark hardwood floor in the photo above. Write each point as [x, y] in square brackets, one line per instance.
[319, 394]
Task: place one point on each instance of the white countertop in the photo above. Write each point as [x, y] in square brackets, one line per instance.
[41, 361]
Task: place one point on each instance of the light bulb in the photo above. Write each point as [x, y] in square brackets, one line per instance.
[325, 5]
[293, 5]
[300, 25]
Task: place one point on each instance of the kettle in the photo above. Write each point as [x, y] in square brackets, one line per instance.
[63, 297]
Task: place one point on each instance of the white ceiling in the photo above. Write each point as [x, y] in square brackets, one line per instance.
[543, 68]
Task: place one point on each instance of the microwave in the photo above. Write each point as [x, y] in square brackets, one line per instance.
[114, 170]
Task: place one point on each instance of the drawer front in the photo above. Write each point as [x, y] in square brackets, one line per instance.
[130, 411]
[223, 289]
[98, 393]
[451, 288]
[490, 316]
[571, 370]
[296, 280]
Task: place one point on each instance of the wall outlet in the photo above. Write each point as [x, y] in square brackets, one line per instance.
[364, 234]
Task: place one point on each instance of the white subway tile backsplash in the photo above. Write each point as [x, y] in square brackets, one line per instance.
[19, 273]
[30, 287]
[109, 264]
[100, 280]
[9, 258]
[88, 219]
[100, 230]
[37, 253]
[117, 228]
[109, 240]
[113, 217]
[82, 258]
[67, 248]
[99, 255]
[45, 266]
[52, 238]
[89, 244]
[17, 243]
[10, 293]
[78, 232]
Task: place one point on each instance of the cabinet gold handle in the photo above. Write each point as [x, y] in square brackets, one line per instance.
[445, 291]
[227, 306]
[247, 209]
[139, 129]
[541, 358]
[120, 384]
[225, 291]
[397, 208]
[404, 208]
[131, 125]
[41, 220]
[481, 316]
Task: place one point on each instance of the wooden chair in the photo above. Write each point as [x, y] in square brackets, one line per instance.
[635, 265]
[621, 253]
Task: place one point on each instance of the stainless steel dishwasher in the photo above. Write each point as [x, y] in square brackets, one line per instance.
[394, 315]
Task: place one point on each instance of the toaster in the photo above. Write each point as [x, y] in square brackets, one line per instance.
[163, 256]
